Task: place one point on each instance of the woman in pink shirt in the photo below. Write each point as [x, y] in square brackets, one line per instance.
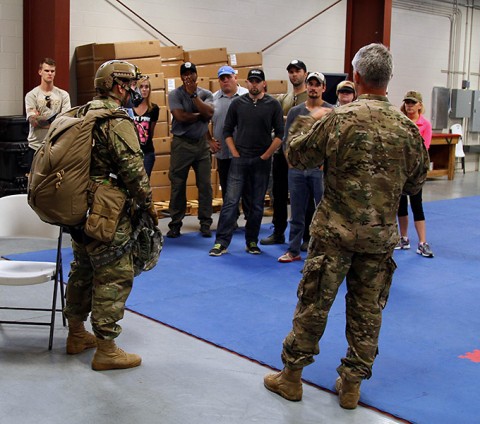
[413, 107]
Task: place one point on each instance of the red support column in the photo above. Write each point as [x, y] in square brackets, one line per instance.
[46, 33]
[368, 21]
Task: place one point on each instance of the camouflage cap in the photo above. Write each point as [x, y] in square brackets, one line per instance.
[413, 95]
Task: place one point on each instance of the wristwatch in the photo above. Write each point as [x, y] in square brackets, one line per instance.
[193, 96]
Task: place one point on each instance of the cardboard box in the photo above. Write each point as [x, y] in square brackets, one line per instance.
[84, 52]
[158, 97]
[119, 50]
[159, 179]
[148, 65]
[85, 84]
[161, 130]
[162, 114]
[206, 56]
[85, 97]
[242, 73]
[172, 83]
[171, 70]
[192, 192]
[157, 81]
[245, 59]
[162, 145]
[171, 53]
[127, 50]
[162, 163]
[209, 71]
[161, 194]
[87, 68]
[214, 85]
[277, 86]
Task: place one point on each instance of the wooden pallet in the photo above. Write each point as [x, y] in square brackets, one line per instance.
[192, 207]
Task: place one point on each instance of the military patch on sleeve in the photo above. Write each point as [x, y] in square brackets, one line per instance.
[125, 129]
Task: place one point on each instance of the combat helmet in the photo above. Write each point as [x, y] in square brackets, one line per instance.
[115, 71]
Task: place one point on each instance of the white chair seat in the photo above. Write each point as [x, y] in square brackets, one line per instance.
[18, 220]
[24, 273]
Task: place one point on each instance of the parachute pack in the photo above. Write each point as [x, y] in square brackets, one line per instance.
[59, 180]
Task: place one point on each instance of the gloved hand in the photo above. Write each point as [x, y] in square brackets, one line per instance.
[153, 213]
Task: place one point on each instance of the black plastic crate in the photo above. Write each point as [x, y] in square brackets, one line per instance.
[13, 128]
[17, 186]
[13, 160]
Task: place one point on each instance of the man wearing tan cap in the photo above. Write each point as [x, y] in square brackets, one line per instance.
[346, 93]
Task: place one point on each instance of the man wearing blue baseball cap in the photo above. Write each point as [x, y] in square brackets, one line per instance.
[229, 89]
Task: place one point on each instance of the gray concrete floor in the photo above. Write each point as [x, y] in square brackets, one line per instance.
[182, 379]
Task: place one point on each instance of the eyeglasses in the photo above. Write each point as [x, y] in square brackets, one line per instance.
[47, 100]
[345, 91]
[410, 102]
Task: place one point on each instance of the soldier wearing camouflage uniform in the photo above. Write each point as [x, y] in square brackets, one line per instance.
[94, 286]
[374, 155]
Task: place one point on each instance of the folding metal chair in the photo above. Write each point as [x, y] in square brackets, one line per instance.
[459, 153]
[18, 220]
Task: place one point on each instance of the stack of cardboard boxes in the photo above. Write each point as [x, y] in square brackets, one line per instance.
[162, 65]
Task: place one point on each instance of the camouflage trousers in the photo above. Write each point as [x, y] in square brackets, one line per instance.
[368, 278]
[100, 291]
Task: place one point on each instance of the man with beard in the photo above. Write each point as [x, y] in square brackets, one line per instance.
[297, 72]
[253, 115]
[303, 183]
[101, 275]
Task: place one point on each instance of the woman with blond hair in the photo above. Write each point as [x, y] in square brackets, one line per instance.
[412, 106]
[145, 117]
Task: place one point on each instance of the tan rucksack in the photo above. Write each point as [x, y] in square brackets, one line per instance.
[60, 175]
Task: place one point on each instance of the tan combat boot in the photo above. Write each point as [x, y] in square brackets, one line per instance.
[348, 392]
[110, 357]
[78, 338]
[286, 383]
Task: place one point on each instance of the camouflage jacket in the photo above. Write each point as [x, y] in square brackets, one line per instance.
[117, 151]
[374, 154]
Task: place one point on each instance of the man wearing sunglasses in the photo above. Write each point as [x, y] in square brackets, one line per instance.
[42, 104]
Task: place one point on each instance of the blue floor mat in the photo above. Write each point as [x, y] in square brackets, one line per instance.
[428, 367]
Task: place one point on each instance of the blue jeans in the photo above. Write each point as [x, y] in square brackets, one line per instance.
[148, 162]
[302, 184]
[253, 174]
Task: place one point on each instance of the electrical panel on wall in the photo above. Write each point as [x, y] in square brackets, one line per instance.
[461, 103]
[440, 107]
[474, 121]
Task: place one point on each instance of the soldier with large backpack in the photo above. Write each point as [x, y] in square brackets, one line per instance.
[102, 270]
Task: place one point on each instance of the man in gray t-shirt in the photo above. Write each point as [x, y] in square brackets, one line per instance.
[42, 104]
[192, 109]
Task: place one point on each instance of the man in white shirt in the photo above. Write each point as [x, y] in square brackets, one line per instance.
[42, 104]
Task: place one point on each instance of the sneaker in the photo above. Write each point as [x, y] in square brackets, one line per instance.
[304, 246]
[173, 233]
[253, 248]
[273, 239]
[205, 231]
[403, 244]
[424, 250]
[288, 257]
[217, 250]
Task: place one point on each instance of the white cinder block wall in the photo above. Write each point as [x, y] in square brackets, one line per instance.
[420, 38]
